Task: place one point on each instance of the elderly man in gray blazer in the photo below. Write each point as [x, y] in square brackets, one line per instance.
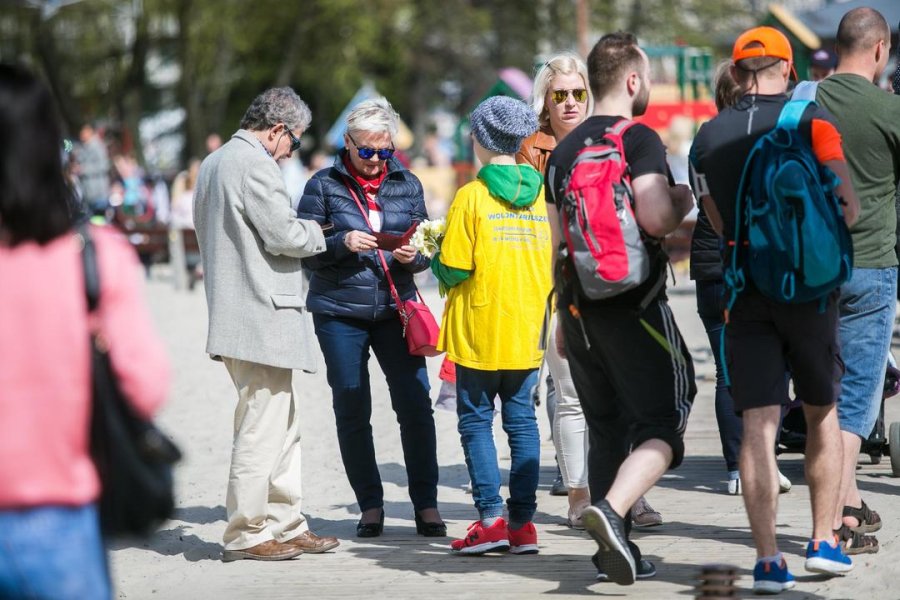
[251, 244]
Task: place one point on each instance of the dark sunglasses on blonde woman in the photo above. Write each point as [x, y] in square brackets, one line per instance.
[559, 96]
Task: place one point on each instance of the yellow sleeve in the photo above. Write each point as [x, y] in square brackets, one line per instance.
[458, 247]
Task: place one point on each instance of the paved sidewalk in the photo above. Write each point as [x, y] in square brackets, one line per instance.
[702, 523]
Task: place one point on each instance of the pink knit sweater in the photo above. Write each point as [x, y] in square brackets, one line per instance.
[44, 363]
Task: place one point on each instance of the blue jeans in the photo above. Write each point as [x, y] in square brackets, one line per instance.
[709, 307]
[475, 391]
[345, 343]
[52, 552]
[867, 306]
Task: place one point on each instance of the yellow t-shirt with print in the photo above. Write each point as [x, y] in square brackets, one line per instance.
[492, 320]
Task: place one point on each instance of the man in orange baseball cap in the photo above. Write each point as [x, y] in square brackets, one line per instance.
[763, 335]
[755, 46]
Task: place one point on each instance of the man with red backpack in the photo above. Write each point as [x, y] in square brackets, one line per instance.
[608, 194]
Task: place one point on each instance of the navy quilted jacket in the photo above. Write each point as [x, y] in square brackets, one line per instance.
[347, 284]
[706, 252]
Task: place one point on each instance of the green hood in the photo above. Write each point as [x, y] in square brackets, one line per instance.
[519, 185]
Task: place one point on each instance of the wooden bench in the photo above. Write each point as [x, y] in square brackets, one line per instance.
[155, 243]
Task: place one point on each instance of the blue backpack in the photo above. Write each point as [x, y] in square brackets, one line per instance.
[797, 247]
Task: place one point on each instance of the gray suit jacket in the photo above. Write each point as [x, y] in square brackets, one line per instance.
[251, 244]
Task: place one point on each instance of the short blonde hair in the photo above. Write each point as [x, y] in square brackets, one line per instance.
[564, 63]
[376, 115]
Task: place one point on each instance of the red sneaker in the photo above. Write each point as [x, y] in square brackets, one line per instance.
[524, 540]
[480, 539]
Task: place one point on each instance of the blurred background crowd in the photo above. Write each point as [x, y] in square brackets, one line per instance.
[147, 88]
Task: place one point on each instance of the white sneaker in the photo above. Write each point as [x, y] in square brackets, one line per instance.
[784, 484]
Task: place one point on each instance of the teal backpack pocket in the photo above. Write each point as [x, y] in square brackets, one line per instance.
[790, 240]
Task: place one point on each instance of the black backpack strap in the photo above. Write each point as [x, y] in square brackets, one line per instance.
[653, 292]
[89, 262]
[544, 341]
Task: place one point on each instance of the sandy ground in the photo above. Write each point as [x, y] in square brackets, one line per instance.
[702, 524]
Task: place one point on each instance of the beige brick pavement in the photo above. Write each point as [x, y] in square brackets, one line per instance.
[702, 524]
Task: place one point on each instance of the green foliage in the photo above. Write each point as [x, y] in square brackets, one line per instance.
[664, 22]
[95, 52]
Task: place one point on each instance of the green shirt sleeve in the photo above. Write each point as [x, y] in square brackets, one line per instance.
[447, 276]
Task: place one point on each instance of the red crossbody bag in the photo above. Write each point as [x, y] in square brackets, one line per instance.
[419, 326]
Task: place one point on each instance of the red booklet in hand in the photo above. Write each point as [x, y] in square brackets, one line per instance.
[389, 242]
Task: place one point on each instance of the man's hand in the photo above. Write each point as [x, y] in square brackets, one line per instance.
[682, 197]
[660, 208]
[845, 191]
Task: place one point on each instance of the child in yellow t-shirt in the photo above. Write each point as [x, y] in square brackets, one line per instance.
[495, 260]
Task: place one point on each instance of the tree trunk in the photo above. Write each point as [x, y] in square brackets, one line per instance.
[288, 61]
[218, 90]
[45, 48]
[637, 18]
[135, 82]
[183, 12]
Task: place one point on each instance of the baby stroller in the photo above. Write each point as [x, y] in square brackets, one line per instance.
[793, 429]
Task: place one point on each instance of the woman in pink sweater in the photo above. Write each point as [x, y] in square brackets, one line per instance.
[50, 543]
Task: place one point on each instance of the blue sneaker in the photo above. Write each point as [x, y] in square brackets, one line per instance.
[822, 557]
[771, 577]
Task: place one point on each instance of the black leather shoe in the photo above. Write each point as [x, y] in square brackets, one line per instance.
[430, 529]
[368, 530]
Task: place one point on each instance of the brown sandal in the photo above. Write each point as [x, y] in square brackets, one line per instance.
[869, 521]
[856, 543]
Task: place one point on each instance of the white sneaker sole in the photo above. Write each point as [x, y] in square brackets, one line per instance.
[827, 567]
[772, 587]
[524, 549]
[615, 560]
[638, 577]
[784, 484]
[500, 546]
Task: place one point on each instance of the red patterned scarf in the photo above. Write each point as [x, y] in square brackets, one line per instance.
[369, 186]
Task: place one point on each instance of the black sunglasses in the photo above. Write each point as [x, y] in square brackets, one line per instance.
[367, 153]
[295, 141]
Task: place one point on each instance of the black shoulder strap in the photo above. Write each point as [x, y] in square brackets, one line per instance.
[91, 272]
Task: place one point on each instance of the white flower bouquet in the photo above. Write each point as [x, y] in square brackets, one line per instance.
[428, 236]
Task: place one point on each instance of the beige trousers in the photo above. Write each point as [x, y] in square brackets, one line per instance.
[264, 493]
[570, 432]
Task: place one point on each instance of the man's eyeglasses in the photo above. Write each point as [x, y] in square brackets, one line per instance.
[559, 96]
[295, 141]
[367, 153]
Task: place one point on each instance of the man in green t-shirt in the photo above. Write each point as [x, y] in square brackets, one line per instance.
[869, 120]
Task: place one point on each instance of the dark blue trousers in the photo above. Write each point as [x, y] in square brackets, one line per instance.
[345, 343]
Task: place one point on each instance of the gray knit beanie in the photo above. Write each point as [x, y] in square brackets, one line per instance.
[500, 123]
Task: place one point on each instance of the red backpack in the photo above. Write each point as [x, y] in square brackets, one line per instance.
[602, 236]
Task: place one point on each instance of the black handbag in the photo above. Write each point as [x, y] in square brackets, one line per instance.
[133, 458]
